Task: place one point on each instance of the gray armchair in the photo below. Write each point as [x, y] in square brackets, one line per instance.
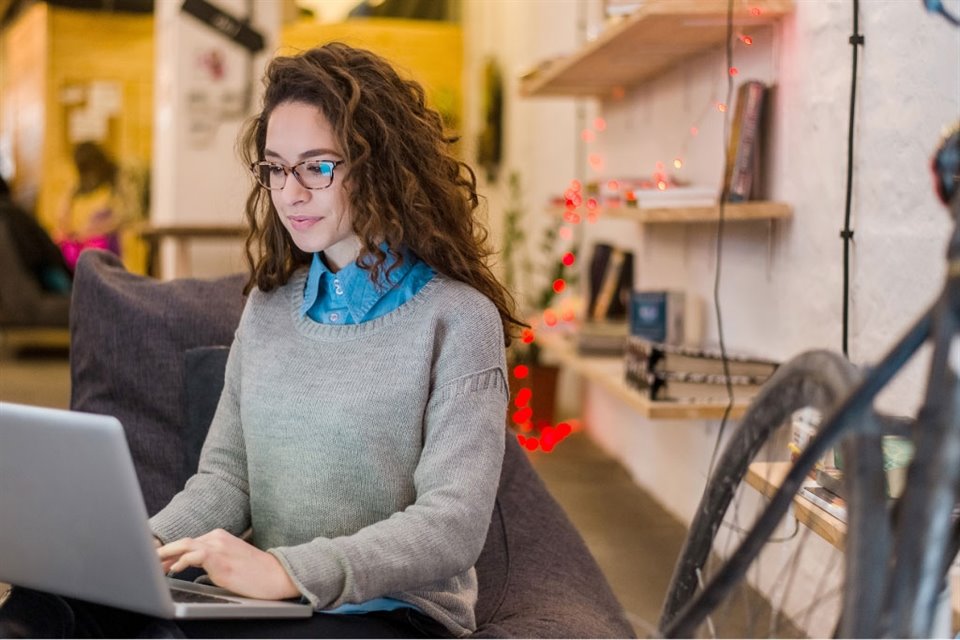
[153, 353]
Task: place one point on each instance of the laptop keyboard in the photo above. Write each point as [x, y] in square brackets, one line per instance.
[192, 596]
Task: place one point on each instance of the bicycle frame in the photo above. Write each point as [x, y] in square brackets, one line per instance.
[904, 603]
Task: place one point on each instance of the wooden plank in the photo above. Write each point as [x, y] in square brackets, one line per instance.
[739, 211]
[657, 36]
[608, 372]
[201, 230]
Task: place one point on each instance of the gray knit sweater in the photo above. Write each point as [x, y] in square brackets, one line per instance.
[365, 457]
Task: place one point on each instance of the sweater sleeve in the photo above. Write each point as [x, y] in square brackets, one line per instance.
[442, 533]
[217, 496]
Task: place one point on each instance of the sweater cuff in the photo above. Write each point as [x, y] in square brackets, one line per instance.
[320, 574]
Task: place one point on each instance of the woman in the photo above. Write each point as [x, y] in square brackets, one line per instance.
[360, 431]
[91, 214]
[355, 453]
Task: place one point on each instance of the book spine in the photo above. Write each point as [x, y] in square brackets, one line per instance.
[609, 285]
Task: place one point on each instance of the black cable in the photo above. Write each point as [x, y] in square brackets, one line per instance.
[720, 223]
[856, 40]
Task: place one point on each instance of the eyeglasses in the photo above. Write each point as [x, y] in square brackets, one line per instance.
[311, 174]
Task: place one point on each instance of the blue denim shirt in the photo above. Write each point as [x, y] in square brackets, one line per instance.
[349, 296]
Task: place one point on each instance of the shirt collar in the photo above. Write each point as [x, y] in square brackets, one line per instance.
[361, 292]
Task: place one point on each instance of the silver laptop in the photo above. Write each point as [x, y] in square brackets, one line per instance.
[73, 521]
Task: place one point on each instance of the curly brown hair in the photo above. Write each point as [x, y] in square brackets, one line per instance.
[405, 187]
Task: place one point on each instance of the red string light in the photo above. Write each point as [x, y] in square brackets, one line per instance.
[521, 371]
[568, 258]
[600, 124]
[747, 40]
[523, 397]
[734, 71]
[559, 285]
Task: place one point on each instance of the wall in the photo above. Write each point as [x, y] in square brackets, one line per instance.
[436, 61]
[781, 286]
[206, 86]
[23, 104]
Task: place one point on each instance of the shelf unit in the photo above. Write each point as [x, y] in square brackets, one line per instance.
[609, 373]
[732, 212]
[657, 36]
[766, 477]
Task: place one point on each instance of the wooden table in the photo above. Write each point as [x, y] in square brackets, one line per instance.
[182, 235]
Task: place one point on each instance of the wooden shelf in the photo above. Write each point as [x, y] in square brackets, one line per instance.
[766, 477]
[732, 212]
[657, 36]
[609, 373]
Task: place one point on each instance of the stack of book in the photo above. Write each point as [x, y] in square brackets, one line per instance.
[691, 374]
[825, 499]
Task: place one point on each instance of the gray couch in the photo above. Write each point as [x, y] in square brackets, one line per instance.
[152, 353]
[23, 303]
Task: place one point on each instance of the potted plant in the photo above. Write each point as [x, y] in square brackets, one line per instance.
[537, 280]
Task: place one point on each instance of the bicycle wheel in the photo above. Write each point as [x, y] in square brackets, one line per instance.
[799, 597]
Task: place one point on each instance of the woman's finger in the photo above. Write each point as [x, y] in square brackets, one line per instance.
[194, 558]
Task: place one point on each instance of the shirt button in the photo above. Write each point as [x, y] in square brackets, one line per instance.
[334, 317]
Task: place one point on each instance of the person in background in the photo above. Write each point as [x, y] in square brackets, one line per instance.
[34, 247]
[90, 216]
[360, 432]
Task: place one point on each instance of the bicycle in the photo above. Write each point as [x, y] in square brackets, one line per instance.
[897, 554]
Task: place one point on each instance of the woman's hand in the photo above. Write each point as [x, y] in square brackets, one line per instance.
[230, 563]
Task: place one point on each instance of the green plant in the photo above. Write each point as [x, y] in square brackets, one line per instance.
[531, 275]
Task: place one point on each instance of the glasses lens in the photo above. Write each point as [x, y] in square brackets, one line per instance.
[316, 174]
[270, 175]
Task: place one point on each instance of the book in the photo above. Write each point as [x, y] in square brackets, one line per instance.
[743, 148]
[690, 387]
[659, 356]
[657, 315]
[826, 500]
[831, 479]
[611, 281]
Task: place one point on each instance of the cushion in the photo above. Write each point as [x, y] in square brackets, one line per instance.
[128, 337]
[204, 369]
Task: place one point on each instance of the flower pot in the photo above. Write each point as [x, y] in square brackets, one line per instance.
[542, 382]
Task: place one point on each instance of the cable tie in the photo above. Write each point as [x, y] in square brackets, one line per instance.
[846, 234]
[856, 38]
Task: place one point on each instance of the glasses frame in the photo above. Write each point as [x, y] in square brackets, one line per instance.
[288, 170]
